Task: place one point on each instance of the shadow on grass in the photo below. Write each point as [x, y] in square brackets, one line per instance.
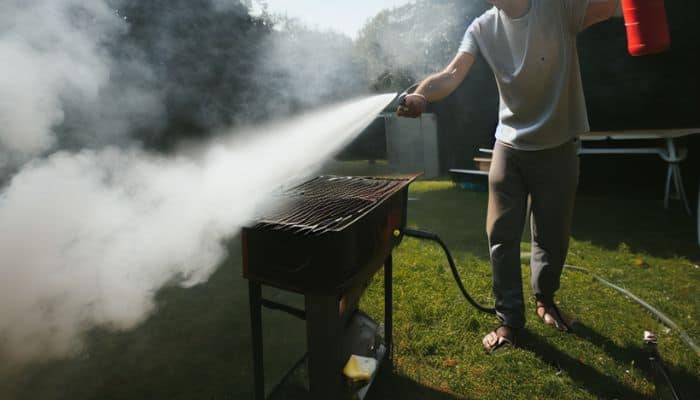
[387, 386]
[605, 221]
[604, 386]
[685, 382]
[600, 385]
[397, 387]
[196, 345]
[642, 224]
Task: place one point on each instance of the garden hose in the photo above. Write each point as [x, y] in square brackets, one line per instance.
[657, 367]
[455, 274]
[656, 362]
[658, 314]
[435, 238]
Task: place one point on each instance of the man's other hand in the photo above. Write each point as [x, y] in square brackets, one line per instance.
[412, 106]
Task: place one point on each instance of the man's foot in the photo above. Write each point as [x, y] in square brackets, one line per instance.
[503, 336]
[550, 315]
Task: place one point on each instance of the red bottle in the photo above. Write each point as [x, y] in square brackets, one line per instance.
[647, 26]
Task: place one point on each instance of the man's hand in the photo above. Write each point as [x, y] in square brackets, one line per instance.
[412, 106]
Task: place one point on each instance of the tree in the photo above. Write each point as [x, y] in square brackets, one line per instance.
[217, 66]
[202, 57]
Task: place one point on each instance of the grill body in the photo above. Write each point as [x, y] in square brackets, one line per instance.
[326, 241]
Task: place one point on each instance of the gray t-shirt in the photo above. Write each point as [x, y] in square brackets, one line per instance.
[535, 63]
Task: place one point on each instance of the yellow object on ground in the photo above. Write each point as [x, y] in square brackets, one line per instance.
[360, 368]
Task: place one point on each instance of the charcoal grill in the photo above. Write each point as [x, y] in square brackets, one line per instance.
[325, 239]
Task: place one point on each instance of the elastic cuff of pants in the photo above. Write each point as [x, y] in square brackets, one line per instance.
[516, 323]
[544, 298]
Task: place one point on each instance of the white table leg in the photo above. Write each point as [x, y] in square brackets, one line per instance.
[675, 170]
[680, 189]
[667, 191]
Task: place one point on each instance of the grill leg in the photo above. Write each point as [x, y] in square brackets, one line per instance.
[254, 293]
[389, 310]
[323, 332]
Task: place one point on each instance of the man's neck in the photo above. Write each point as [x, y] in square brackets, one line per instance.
[517, 8]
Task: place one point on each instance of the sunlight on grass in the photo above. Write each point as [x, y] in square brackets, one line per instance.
[431, 186]
[438, 335]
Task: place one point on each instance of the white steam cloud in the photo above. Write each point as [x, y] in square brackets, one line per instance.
[87, 239]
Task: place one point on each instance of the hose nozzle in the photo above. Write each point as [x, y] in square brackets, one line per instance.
[411, 89]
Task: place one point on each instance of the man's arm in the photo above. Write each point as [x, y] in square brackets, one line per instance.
[437, 86]
[599, 11]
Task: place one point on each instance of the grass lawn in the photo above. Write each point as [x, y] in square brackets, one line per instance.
[196, 345]
[438, 335]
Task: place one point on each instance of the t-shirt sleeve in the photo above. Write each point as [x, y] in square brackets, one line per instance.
[469, 43]
[575, 12]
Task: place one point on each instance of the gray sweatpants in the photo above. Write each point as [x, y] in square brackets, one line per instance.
[550, 178]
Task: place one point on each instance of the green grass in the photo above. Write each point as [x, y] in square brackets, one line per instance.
[197, 345]
[438, 335]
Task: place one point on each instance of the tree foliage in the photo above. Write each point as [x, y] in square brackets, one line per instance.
[216, 66]
[200, 56]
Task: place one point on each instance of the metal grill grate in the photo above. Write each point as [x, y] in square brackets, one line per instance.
[329, 203]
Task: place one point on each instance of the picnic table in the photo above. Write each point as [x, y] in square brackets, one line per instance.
[627, 142]
[670, 152]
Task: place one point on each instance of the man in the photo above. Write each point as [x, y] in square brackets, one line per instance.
[530, 46]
